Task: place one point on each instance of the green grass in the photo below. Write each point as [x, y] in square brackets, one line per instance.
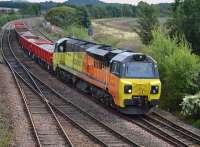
[6, 134]
[77, 31]
[6, 129]
[106, 39]
[112, 34]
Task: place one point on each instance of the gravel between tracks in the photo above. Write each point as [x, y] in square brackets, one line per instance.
[178, 121]
[134, 132]
[75, 135]
[9, 92]
[81, 140]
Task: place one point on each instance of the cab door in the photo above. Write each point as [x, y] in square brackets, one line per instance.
[62, 55]
[114, 81]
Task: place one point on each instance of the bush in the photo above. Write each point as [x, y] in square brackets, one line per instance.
[191, 106]
[178, 68]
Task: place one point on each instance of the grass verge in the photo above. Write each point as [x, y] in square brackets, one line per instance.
[6, 128]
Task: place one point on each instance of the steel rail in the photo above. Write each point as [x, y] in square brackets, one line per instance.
[175, 127]
[59, 111]
[49, 107]
[81, 110]
[46, 102]
[98, 121]
[40, 91]
[174, 142]
[179, 129]
[165, 134]
[22, 94]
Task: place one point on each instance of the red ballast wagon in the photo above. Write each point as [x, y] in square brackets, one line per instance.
[38, 47]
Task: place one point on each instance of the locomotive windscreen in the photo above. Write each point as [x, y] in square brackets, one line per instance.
[140, 70]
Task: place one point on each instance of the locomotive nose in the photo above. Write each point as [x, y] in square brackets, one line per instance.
[141, 92]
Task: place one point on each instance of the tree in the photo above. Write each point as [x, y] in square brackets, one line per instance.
[66, 16]
[32, 9]
[85, 20]
[148, 20]
[186, 21]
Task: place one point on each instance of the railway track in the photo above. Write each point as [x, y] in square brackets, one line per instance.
[99, 131]
[182, 134]
[174, 125]
[102, 133]
[161, 127]
[166, 130]
[84, 120]
[163, 131]
[46, 127]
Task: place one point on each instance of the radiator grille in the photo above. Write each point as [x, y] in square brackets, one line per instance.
[141, 89]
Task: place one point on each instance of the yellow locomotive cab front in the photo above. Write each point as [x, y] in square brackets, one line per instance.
[138, 83]
[139, 92]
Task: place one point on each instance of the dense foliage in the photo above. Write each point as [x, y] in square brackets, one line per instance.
[12, 4]
[6, 18]
[147, 22]
[32, 9]
[95, 8]
[84, 2]
[186, 21]
[67, 16]
[178, 68]
[111, 10]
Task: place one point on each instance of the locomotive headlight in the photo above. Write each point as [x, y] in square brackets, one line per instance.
[154, 89]
[128, 89]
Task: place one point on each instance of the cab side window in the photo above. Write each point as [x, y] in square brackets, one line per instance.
[62, 47]
[115, 68]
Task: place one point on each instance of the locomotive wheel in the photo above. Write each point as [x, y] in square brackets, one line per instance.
[112, 103]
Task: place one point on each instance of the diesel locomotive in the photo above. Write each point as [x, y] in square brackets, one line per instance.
[126, 80]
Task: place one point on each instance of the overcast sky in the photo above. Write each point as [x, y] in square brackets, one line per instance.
[118, 1]
[136, 1]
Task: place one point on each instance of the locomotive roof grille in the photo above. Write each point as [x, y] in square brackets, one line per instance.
[106, 52]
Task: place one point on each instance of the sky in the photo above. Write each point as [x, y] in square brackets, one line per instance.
[117, 1]
[136, 1]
